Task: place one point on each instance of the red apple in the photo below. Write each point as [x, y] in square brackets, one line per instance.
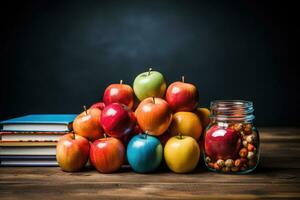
[100, 105]
[154, 115]
[221, 143]
[107, 154]
[135, 131]
[119, 93]
[72, 152]
[182, 96]
[126, 138]
[117, 120]
[87, 124]
[165, 137]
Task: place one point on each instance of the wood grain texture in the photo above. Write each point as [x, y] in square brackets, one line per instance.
[277, 177]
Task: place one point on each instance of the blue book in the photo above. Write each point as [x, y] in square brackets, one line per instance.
[40, 122]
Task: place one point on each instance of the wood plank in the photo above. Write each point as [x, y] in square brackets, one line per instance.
[277, 177]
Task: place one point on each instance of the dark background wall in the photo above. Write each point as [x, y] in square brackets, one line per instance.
[58, 55]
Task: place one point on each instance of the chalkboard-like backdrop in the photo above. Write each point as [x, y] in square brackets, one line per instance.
[58, 55]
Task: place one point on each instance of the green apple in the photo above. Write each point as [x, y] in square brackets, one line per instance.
[149, 84]
[182, 154]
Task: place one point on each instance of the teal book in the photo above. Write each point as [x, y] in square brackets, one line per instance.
[40, 122]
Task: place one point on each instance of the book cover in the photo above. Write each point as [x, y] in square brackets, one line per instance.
[39, 122]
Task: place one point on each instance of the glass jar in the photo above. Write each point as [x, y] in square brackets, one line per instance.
[231, 142]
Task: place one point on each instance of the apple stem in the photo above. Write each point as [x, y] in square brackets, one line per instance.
[180, 135]
[121, 82]
[73, 135]
[85, 110]
[104, 135]
[153, 99]
[149, 71]
[146, 134]
[182, 79]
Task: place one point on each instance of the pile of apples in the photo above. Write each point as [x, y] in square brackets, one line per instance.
[141, 125]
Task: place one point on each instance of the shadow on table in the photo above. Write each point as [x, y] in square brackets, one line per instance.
[263, 168]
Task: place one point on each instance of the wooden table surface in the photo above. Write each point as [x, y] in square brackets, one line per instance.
[277, 177]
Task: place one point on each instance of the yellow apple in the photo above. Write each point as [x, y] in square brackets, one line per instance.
[203, 114]
[186, 123]
[182, 154]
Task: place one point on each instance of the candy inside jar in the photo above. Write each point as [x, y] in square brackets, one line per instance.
[231, 142]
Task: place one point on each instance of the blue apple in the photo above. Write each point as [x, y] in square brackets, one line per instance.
[144, 153]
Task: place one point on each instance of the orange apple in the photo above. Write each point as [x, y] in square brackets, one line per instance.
[154, 115]
[187, 124]
[203, 114]
[87, 124]
[72, 152]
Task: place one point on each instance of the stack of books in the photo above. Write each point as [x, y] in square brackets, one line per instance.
[31, 140]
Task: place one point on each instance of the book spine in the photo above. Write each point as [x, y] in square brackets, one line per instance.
[21, 157]
[28, 165]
